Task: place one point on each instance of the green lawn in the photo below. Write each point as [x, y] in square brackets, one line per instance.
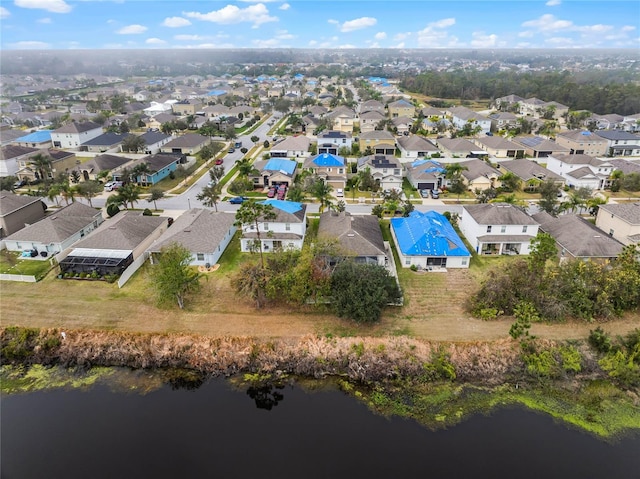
[11, 263]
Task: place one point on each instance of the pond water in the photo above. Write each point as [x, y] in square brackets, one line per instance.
[217, 431]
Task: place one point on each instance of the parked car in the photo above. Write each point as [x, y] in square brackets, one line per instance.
[272, 192]
[435, 194]
[339, 192]
[219, 161]
[237, 200]
[112, 185]
[19, 183]
[424, 193]
[231, 150]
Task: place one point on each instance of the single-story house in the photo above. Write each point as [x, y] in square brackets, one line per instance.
[37, 139]
[56, 232]
[414, 147]
[480, 175]
[205, 233]
[90, 170]
[188, 144]
[428, 241]
[538, 147]
[499, 147]
[358, 236]
[160, 166]
[291, 147]
[531, 173]
[286, 231]
[18, 211]
[402, 124]
[108, 141]
[460, 147]
[576, 238]
[425, 174]
[154, 141]
[498, 228]
[115, 244]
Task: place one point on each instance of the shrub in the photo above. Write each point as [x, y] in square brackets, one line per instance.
[600, 340]
[18, 343]
[571, 359]
[147, 212]
[112, 210]
[413, 267]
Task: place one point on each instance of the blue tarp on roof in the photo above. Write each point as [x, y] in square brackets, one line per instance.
[35, 137]
[279, 164]
[377, 80]
[298, 76]
[327, 159]
[428, 166]
[427, 234]
[290, 207]
[216, 93]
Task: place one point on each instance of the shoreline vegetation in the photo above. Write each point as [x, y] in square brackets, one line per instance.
[438, 384]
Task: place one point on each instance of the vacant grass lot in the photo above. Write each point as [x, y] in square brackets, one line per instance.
[434, 308]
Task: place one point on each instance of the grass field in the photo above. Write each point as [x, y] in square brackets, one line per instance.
[12, 263]
[434, 308]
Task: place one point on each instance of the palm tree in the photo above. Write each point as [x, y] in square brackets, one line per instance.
[322, 192]
[155, 195]
[510, 181]
[53, 192]
[245, 167]
[43, 166]
[129, 193]
[210, 195]
[139, 170]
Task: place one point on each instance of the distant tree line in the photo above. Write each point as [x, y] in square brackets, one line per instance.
[598, 92]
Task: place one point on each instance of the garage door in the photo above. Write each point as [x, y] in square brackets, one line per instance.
[426, 186]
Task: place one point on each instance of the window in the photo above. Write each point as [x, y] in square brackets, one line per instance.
[524, 229]
[489, 229]
[200, 256]
[464, 262]
[266, 226]
[287, 226]
[407, 261]
[503, 229]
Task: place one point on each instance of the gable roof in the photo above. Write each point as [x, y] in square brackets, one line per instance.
[579, 237]
[377, 135]
[498, 214]
[76, 127]
[58, 226]
[189, 140]
[334, 134]
[498, 142]
[39, 136]
[527, 170]
[287, 211]
[628, 212]
[460, 145]
[292, 143]
[106, 139]
[326, 160]
[158, 161]
[10, 202]
[281, 164]
[379, 161]
[198, 230]
[579, 159]
[104, 162]
[577, 135]
[15, 151]
[466, 114]
[416, 143]
[153, 137]
[125, 231]
[358, 235]
[427, 234]
[478, 168]
[617, 135]
[537, 143]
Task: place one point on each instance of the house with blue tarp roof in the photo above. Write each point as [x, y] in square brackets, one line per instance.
[332, 169]
[37, 139]
[425, 174]
[428, 241]
[217, 93]
[273, 172]
[285, 231]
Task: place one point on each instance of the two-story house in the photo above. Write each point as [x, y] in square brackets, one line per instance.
[333, 141]
[73, 135]
[582, 143]
[621, 143]
[503, 121]
[285, 231]
[401, 108]
[385, 169]
[369, 120]
[461, 116]
[582, 171]
[343, 119]
[331, 168]
[372, 105]
[381, 142]
[621, 221]
[498, 228]
[17, 211]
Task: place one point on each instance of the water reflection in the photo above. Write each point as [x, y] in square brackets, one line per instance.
[266, 396]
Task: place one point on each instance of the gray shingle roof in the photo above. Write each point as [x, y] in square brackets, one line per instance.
[77, 127]
[499, 214]
[125, 231]
[579, 237]
[58, 226]
[629, 212]
[478, 168]
[198, 230]
[357, 235]
[527, 170]
[189, 140]
[416, 143]
[10, 202]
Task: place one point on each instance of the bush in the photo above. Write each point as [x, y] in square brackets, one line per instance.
[413, 267]
[112, 210]
[18, 343]
[600, 340]
[147, 212]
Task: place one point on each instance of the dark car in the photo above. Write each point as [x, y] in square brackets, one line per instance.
[237, 200]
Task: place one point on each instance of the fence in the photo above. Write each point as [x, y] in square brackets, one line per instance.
[133, 267]
[18, 277]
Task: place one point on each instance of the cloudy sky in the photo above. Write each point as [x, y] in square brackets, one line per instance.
[65, 24]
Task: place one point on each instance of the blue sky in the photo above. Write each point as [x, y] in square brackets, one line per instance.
[67, 24]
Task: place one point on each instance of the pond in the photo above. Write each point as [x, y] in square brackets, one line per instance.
[216, 430]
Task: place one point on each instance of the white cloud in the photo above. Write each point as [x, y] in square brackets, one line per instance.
[284, 35]
[132, 30]
[553, 3]
[256, 14]
[399, 45]
[346, 46]
[28, 45]
[333, 22]
[189, 38]
[155, 41]
[4, 13]
[44, 20]
[312, 43]
[358, 24]
[548, 23]
[175, 22]
[208, 46]
[628, 28]
[55, 6]
[480, 40]
[270, 43]
[599, 28]
[401, 36]
[526, 34]
[435, 34]
[380, 35]
[284, 6]
[560, 41]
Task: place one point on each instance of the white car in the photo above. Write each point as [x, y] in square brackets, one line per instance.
[112, 185]
[339, 192]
